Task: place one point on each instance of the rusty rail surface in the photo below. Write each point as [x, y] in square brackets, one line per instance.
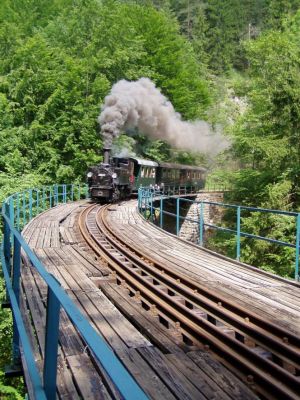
[261, 353]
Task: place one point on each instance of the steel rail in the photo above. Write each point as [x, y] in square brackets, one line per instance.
[152, 266]
[270, 377]
[264, 337]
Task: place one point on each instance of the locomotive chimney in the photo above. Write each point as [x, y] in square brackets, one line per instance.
[106, 154]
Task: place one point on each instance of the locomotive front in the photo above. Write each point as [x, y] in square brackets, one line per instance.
[102, 179]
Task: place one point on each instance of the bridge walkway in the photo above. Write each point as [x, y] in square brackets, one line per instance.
[163, 366]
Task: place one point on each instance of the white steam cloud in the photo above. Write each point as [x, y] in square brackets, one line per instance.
[139, 104]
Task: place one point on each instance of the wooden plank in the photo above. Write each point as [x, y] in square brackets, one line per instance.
[68, 336]
[88, 381]
[40, 241]
[176, 382]
[146, 375]
[65, 383]
[278, 295]
[96, 267]
[55, 241]
[129, 334]
[225, 379]
[28, 326]
[209, 382]
[98, 321]
[150, 326]
[47, 238]
[36, 307]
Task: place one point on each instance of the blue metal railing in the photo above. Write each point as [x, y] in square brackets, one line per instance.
[147, 196]
[17, 210]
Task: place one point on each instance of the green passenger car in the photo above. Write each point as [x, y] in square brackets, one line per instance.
[144, 172]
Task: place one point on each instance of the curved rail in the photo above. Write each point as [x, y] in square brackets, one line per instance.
[256, 350]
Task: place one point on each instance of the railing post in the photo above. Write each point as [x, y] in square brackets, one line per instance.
[56, 195]
[238, 234]
[11, 215]
[6, 239]
[86, 192]
[201, 223]
[30, 204]
[64, 194]
[11, 211]
[146, 198]
[151, 209]
[161, 212]
[79, 192]
[18, 211]
[50, 197]
[16, 289]
[43, 199]
[24, 209]
[177, 215]
[37, 201]
[297, 248]
[51, 345]
[139, 199]
[72, 192]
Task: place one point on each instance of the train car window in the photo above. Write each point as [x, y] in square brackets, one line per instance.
[153, 173]
[142, 172]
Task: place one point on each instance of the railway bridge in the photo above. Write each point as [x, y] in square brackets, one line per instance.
[108, 305]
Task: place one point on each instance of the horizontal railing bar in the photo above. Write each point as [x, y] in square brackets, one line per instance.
[258, 237]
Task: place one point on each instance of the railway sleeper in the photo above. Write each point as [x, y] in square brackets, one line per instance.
[262, 352]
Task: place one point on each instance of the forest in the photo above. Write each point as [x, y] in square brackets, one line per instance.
[234, 64]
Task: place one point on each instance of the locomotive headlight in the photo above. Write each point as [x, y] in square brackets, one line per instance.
[114, 175]
[89, 174]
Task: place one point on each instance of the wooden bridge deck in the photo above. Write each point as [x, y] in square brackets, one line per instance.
[275, 298]
[161, 364]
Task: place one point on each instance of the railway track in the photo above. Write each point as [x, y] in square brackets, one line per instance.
[262, 354]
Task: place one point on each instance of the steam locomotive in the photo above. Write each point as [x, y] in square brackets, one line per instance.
[117, 177]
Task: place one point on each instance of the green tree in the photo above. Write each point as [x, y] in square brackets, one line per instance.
[56, 74]
[278, 10]
[267, 145]
[229, 24]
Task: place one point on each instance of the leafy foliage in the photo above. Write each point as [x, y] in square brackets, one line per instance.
[266, 144]
[63, 61]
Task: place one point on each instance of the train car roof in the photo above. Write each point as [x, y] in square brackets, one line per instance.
[181, 166]
[147, 163]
